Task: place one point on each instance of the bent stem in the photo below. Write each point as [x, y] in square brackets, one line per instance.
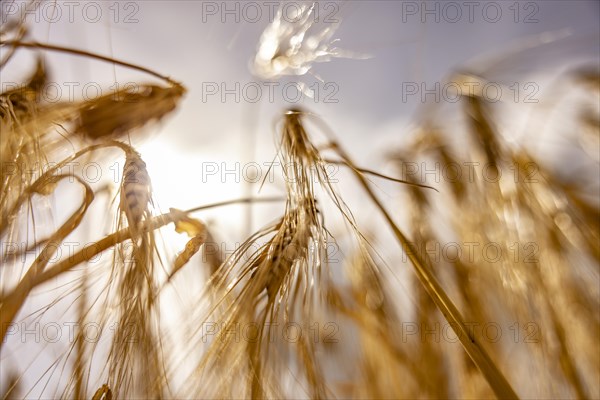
[12, 303]
[44, 46]
[501, 387]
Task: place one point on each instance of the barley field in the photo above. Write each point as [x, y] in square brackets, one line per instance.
[334, 199]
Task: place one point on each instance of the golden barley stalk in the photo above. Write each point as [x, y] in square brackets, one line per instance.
[493, 375]
[109, 116]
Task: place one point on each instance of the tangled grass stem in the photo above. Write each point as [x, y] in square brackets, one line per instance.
[12, 303]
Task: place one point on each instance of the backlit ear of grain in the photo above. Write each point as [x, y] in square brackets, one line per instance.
[291, 245]
[136, 191]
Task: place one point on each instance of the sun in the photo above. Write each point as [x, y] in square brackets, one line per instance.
[186, 179]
